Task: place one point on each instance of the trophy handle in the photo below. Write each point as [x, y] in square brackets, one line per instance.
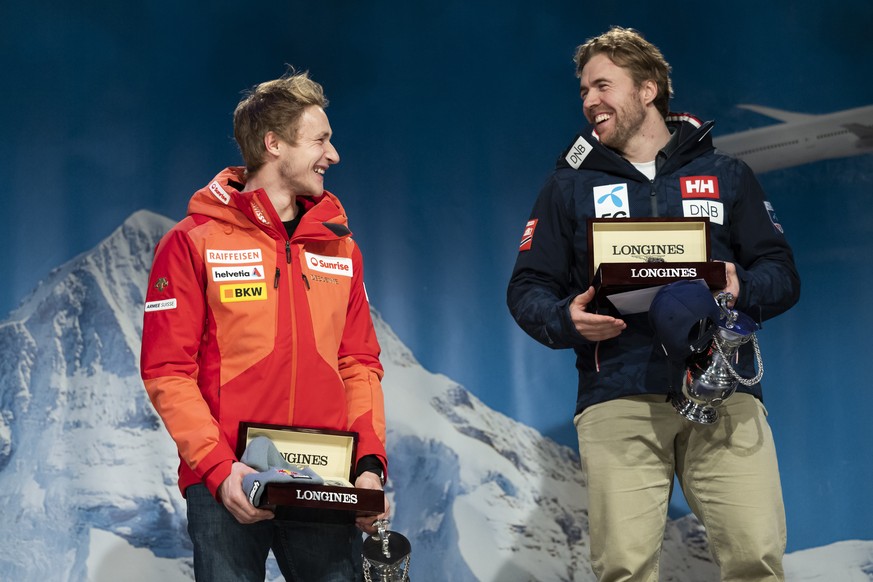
[736, 376]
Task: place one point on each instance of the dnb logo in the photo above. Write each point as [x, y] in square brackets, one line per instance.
[243, 292]
[578, 152]
[700, 198]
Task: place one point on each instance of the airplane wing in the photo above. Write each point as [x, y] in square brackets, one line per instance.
[864, 132]
[781, 115]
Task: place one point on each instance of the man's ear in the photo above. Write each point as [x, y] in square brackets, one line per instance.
[649, 90]
[271, 143]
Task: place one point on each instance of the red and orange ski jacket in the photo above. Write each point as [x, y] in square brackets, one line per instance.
[242, 323]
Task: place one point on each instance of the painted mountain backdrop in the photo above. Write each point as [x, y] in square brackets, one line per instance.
[88, 474]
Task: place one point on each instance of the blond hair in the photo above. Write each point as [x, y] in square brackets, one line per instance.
[628, 49]
[275, 106]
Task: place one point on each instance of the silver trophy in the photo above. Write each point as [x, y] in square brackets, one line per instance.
[387, 554]
[710, 377]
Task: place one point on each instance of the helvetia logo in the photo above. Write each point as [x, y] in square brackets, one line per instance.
[241, 273]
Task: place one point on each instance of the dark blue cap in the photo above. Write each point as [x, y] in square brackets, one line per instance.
[684, 316]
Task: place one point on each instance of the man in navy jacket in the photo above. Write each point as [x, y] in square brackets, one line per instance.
[634, 160]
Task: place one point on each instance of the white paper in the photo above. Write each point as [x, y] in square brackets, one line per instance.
[638, 301]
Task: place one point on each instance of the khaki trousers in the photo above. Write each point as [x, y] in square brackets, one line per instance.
[630, 449]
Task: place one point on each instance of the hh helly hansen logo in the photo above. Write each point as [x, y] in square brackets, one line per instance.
[527, 237]
[234, 256]
[219, 193]
[333, 265]
[242, 292]
[699, 187]
[578, 152]
[241, 273]
[611, 201]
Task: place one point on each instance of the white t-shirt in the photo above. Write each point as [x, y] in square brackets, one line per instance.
[646, 168]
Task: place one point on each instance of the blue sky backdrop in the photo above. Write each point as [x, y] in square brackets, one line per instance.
[448, 117]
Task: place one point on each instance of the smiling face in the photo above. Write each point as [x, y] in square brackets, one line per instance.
[302, 164]
[613, 102]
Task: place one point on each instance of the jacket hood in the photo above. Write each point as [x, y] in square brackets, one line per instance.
[224, 198]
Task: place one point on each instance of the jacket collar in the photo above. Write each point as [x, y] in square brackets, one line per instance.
[226, 200]
[690, 139]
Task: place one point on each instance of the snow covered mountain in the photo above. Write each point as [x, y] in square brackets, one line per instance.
[88, 473]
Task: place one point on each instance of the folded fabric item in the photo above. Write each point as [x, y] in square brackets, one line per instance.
[263, 456]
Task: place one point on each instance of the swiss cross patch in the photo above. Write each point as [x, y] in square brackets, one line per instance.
[527, 237]
[699, 187]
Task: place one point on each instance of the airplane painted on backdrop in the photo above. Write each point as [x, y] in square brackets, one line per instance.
[801, 138]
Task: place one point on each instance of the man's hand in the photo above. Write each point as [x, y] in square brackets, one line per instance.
[369, 480]
[592, 326]
[231, 494]
[733, 282]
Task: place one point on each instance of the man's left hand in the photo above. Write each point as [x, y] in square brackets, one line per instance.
[369, 480]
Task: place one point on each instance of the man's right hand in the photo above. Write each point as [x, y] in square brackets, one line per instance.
[592, 326]
[231, 494]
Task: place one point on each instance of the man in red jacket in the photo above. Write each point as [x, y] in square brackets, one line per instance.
[256, 311]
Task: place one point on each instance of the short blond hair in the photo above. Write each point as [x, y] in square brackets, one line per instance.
[275, 106]
[628, 49]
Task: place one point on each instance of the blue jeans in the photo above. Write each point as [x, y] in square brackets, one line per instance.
[326, 550]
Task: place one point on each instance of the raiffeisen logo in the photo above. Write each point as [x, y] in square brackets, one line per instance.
[333, 265]
[233, 256]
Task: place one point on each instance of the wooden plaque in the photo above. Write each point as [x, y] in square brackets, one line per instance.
[630, 255]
